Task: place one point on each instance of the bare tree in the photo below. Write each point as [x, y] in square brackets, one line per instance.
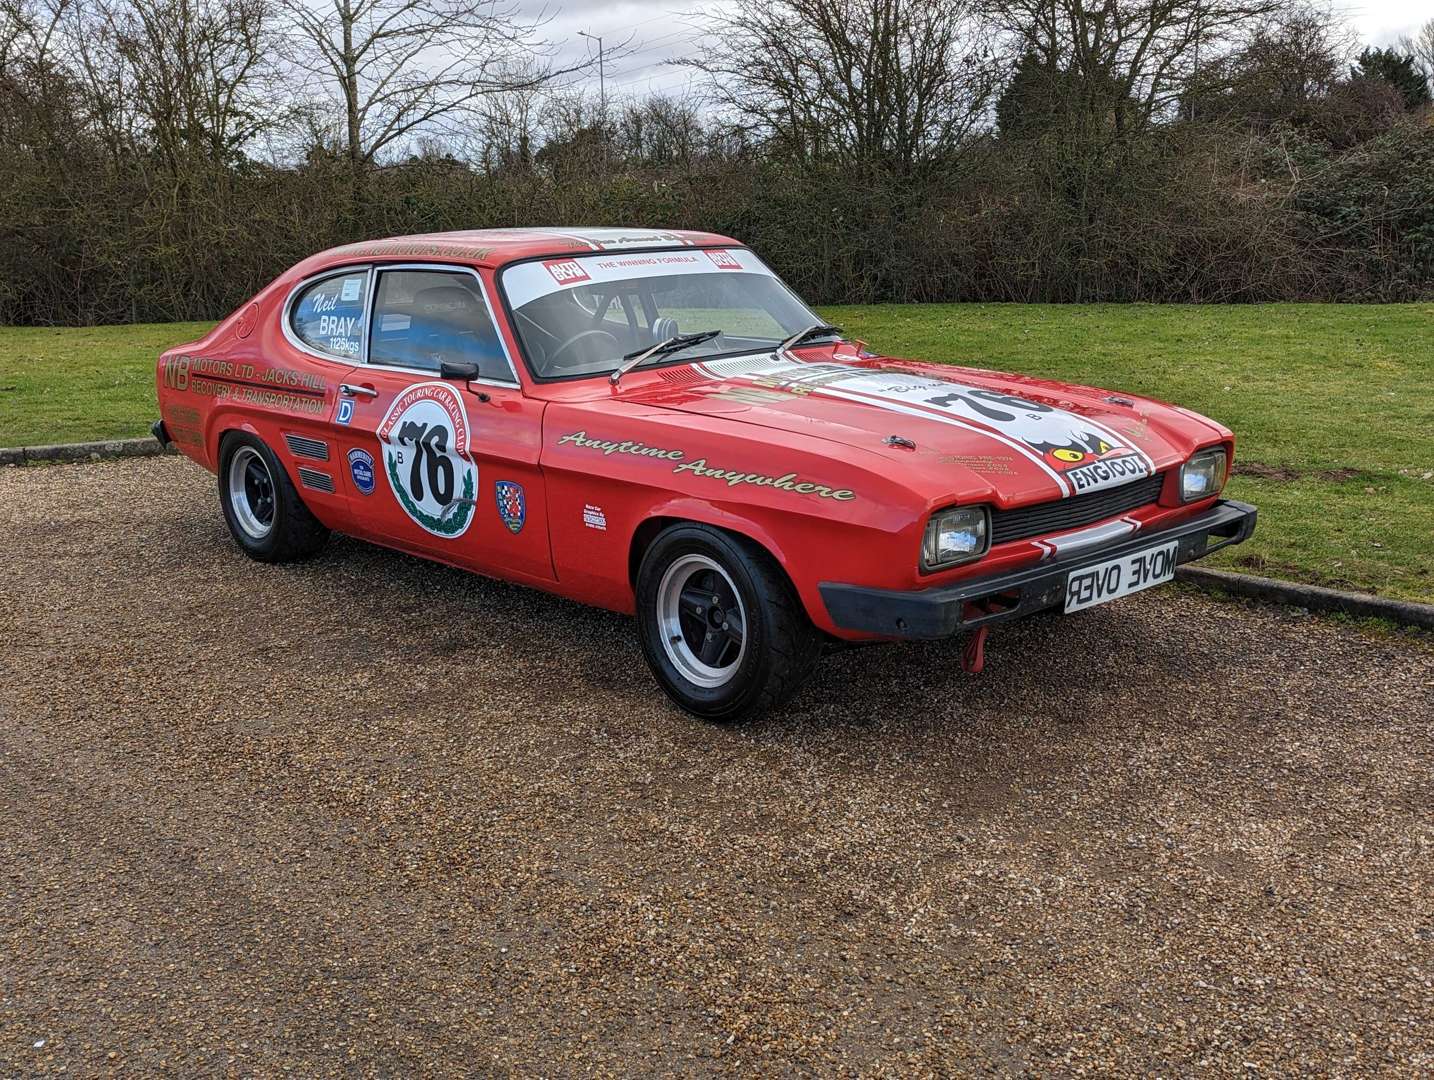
[1125, 63]
[197, 73]
[173, 82]
[899, 83]
[401, 68]
[661, 132]
[574, 139]
[17, 22]
[1421, 46]
[506, 132]
[1282, 71]
[31, 38]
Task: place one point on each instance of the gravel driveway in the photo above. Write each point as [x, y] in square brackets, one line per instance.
[371, 815]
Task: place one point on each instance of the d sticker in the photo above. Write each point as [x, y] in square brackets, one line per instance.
[424, 437]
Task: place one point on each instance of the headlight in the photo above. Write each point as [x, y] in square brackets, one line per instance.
[1203, 475]
[954, 536]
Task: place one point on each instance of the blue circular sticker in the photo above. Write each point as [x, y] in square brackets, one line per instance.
[361, 468]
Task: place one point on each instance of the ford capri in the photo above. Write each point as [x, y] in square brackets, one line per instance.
[654, 423]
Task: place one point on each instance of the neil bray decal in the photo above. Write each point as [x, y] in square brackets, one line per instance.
[699, 467]
[424, 436]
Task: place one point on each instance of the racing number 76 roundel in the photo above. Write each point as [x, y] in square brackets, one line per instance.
[424, 440]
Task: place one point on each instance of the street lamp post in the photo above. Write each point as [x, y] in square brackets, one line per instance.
[602, 93]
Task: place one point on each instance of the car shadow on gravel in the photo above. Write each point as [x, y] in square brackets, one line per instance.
[456, 614]
[451, 615]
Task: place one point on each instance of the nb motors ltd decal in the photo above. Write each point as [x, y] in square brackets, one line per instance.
[424, 443]
[1080, 454]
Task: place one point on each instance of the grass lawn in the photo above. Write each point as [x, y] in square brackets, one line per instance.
[1332, 405]
[79, 384]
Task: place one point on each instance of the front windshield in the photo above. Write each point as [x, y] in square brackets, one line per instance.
[580, 315]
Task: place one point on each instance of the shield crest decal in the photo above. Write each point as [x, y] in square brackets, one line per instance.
[512, 507]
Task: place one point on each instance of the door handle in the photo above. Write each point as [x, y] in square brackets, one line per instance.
[350, 390]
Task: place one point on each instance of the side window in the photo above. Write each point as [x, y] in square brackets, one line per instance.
[329, 315]
[424, 317]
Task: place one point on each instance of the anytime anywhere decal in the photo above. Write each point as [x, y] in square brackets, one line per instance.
[424, 436]
[699, 467]
[1080, 454]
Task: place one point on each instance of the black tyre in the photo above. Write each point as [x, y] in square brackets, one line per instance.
[720, 624]
[264, 513]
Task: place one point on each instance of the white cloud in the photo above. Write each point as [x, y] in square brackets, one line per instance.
[1383, 22]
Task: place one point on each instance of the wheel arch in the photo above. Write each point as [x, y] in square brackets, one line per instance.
[694, 512]
[231, 423]
[224, 423]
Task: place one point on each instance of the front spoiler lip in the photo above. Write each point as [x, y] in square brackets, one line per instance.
[944, 610]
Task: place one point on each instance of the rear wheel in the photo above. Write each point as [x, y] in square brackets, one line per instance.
[264, 513]
[721, 627]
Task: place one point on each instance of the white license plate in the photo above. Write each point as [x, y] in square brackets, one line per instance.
[1120, 577]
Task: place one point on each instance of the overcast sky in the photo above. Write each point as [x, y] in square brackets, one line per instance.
[661, 30]
[655, 32]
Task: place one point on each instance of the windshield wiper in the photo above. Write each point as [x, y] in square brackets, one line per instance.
[806, 335]
[673, 344]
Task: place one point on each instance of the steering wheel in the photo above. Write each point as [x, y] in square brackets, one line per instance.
[579, 336]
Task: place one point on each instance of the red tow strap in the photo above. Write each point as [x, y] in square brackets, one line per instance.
[973, 652]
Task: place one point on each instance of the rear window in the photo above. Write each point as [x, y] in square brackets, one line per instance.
[328, 316]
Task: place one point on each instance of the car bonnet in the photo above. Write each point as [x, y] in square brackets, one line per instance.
[1028, 439]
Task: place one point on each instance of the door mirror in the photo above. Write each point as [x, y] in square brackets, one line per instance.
[457, 369]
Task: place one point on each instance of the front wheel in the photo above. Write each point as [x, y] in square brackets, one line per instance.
[721, 627]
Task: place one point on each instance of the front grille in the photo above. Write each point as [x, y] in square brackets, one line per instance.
[1072, 513]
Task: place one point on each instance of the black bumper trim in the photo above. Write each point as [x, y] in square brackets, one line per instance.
[160, 432]
[943, 610]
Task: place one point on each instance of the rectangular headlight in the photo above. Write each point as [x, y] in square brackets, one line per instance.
[1203, 475]
[954, 536]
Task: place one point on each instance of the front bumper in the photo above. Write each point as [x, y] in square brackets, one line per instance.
[944, 610]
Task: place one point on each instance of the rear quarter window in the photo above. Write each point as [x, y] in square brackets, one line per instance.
[329, 315]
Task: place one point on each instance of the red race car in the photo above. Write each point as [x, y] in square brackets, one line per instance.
[654, 423]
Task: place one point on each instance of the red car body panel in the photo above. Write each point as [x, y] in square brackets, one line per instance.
[832, 459]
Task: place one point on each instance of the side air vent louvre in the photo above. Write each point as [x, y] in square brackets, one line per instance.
[303, 446]
[312, 478]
